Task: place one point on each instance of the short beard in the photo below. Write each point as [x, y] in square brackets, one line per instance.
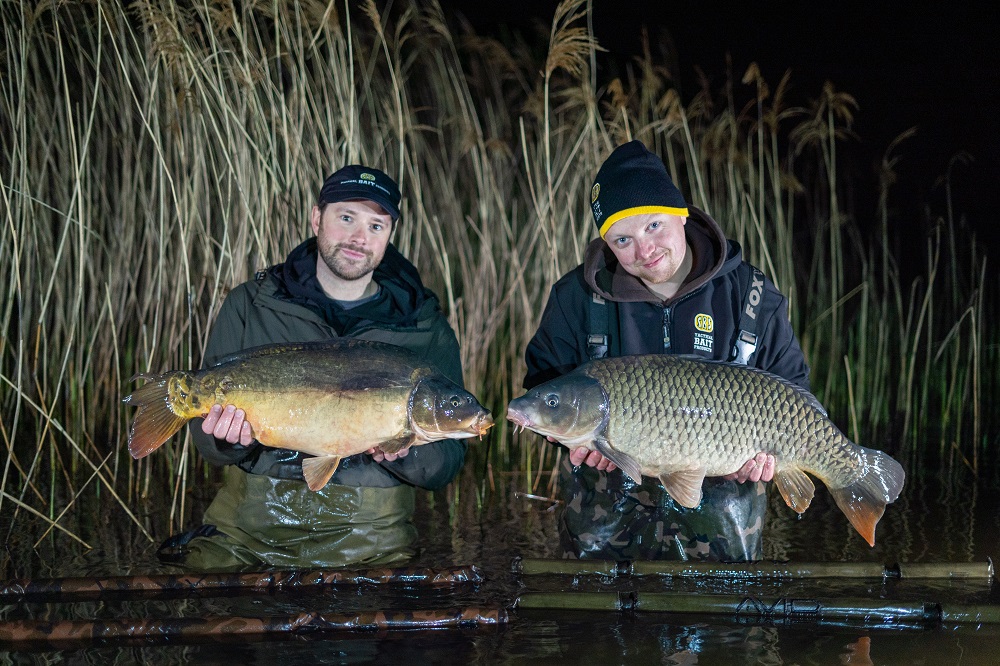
[343, 268]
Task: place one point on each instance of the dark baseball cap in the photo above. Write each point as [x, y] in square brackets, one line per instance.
[361, 182]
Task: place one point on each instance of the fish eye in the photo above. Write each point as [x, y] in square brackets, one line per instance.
[456, 401]
[552, 400]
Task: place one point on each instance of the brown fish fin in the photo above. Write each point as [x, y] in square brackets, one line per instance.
[864, 501]
[318, 470]
[624, 461]
[684, 486]
[795, 487]
[396, 445]
[155, 422]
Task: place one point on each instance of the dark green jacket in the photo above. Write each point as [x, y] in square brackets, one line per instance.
[264, 515]
[286, 304]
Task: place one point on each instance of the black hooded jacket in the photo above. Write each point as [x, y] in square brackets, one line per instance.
[701, 319]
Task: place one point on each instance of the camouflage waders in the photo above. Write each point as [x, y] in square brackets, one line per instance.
[607, 516]
[281, 523]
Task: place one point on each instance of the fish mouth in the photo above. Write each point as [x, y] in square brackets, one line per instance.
[483, 424]
[519, 419]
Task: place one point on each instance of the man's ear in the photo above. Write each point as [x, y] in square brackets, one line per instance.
[315, 219]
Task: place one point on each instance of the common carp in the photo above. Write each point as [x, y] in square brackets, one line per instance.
[329, 399]
[680, 419]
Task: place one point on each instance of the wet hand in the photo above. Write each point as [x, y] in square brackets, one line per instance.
[582, 456]
[758, 468]
[379, 455]
[228, 423]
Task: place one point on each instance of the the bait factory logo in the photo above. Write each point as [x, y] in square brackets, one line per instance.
[596, 192]
[704, 341]
[368, 177]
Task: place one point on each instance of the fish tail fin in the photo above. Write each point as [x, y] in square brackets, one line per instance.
[156, 421]
[864, 500]
[318, 470]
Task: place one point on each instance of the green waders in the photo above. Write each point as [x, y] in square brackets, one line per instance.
[268, 522]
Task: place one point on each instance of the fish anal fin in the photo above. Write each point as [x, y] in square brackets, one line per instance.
[795, 487]
[684, 486]
[318, 470]
[625, 462]
[396, 445]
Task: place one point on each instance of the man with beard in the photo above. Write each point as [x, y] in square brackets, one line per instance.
[348, 281]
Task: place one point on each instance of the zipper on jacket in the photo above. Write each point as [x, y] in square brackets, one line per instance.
[666, 329]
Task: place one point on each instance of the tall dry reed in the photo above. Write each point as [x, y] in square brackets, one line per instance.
[154, 154]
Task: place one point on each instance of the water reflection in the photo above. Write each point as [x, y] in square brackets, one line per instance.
[947, 518]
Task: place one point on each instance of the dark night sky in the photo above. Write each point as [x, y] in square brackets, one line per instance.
[907, 64]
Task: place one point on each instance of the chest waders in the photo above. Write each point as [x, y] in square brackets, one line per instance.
[607, 516]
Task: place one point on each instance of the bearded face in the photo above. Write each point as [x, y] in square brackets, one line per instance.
[352, 237]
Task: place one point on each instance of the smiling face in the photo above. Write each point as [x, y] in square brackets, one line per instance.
[651, 246]
[352, 237]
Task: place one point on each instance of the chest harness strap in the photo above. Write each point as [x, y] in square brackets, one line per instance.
[746, 337]
[597, 338]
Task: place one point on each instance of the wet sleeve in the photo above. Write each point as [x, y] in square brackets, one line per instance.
[554, 349]
[429, 466]
[226, 338]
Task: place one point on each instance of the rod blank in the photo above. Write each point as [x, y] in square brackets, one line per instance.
[757, 570]
[70, 589]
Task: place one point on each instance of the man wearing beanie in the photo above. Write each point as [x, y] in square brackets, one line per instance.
[347, 281]
[661, 279]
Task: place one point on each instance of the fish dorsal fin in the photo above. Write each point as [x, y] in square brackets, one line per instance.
[318, 470]
[625, 462]
[684, 486]
[396, 445]
[796, 488]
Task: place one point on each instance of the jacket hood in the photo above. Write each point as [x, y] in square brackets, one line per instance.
[713, 254]
[403, 296]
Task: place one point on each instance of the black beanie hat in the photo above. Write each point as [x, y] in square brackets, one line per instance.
[633, 181]
[360, 182]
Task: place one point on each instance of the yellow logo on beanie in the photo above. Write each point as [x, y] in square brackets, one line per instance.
[367, 176]
[596, 192]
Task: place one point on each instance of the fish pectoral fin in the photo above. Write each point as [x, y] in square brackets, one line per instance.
[684, 486]
[398, 444]
[318, 470]
[795, 487]
[625, 462]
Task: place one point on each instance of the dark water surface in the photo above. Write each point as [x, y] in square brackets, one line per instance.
[944, 515]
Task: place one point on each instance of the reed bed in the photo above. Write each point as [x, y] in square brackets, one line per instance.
[155, 154]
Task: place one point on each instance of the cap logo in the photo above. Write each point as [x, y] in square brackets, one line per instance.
[367, 176]
[595, 192]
